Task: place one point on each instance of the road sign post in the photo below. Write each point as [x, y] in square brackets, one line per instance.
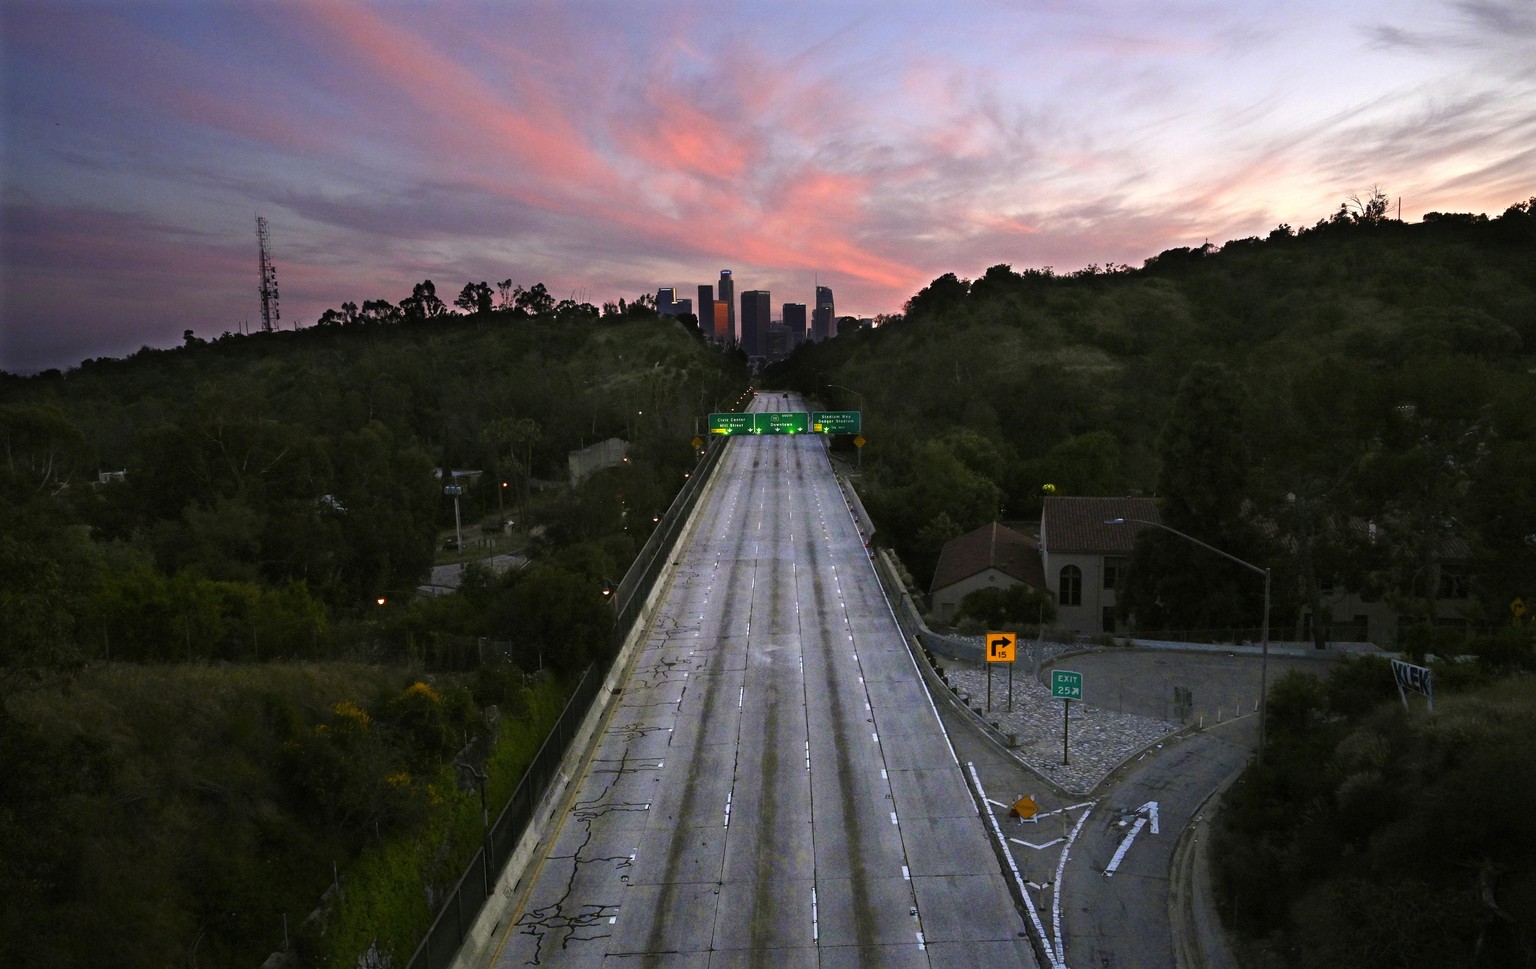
[1000, 647]
[1068, 686]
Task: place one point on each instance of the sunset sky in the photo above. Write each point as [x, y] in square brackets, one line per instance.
[608, 148]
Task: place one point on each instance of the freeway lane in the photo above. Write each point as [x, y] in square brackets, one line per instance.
[773, 787]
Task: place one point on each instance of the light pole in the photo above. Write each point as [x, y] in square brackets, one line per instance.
[1264, 635]
[458, 532]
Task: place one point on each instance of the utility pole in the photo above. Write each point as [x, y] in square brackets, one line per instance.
[270, 314]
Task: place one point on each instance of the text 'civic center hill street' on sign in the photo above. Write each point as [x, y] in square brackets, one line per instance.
[730, 423]
[765, 422]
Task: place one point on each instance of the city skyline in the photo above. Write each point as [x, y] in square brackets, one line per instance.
[598, 148]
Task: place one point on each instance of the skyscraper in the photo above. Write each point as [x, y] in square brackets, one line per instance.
[706, 305]
[755, 316]
[821, 320]
[720, 332]
[666, 297]
[794, 325]
[727, 292]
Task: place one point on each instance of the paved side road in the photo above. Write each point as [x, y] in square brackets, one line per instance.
[1128, 707]
[1112, 865]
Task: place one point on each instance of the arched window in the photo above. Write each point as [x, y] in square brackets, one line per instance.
[1071, 593]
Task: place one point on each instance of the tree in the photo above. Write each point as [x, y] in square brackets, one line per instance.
[380, 311]
[1173, 583]
[943, 295]
[535, 301]
[1003, 608]
[423, 303]
[41, 448]
[474, 298]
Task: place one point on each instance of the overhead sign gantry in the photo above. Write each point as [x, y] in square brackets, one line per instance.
[786, 422]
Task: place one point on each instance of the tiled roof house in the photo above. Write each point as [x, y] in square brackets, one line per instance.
[993, 555]
[1083, 558]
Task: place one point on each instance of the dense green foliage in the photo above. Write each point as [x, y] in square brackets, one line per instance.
[1375, 838]
[1359, 412]
[174, 815]
[275, 486]
[184, 757]
[1016, 607]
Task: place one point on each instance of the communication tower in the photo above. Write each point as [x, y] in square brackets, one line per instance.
[270, 315]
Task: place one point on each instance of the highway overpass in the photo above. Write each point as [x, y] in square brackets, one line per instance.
[772, 786]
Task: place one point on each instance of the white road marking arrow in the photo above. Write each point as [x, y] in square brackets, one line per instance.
[1147, 812]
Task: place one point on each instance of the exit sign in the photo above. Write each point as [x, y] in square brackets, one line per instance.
[728, 423]
[760, 422]
[1066, 685]
[837, 421]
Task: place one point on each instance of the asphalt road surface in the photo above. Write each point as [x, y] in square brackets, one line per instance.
[773, 786]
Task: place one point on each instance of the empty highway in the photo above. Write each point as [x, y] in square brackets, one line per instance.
[772, 786]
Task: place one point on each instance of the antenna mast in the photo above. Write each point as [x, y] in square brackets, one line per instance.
[270, 315]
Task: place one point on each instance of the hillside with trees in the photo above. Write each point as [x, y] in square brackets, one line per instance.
[223, 696]
[1353, 404]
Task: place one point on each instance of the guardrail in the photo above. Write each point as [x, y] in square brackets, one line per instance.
[458, 913]
[462, 905]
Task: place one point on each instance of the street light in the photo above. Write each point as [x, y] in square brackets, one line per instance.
[1264, 635]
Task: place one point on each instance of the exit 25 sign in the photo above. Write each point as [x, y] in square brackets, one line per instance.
[1066, 685]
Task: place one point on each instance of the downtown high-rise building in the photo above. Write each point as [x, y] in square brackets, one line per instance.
[706, 305]
[755, 317]
[824, 315]
[726, 292]
[720, 331]
[666, 297]
[794, 325]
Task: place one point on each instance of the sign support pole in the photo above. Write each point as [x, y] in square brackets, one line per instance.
[989, 687]
[1010, 687]
[1066, 716]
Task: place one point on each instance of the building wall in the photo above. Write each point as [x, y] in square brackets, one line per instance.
[1088, 616]
[722, 328]
[754, 321]
[945, 601]
[588, 461]
[1355, 619]
[794, 323]
[824, 317]
[726, 289]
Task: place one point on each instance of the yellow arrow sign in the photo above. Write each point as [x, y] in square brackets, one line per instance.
[1000, 647]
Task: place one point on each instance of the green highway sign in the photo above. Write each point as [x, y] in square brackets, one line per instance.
[761, 422]
[730, 423]
[1066, 685]
[837, 421]
[781, 422]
